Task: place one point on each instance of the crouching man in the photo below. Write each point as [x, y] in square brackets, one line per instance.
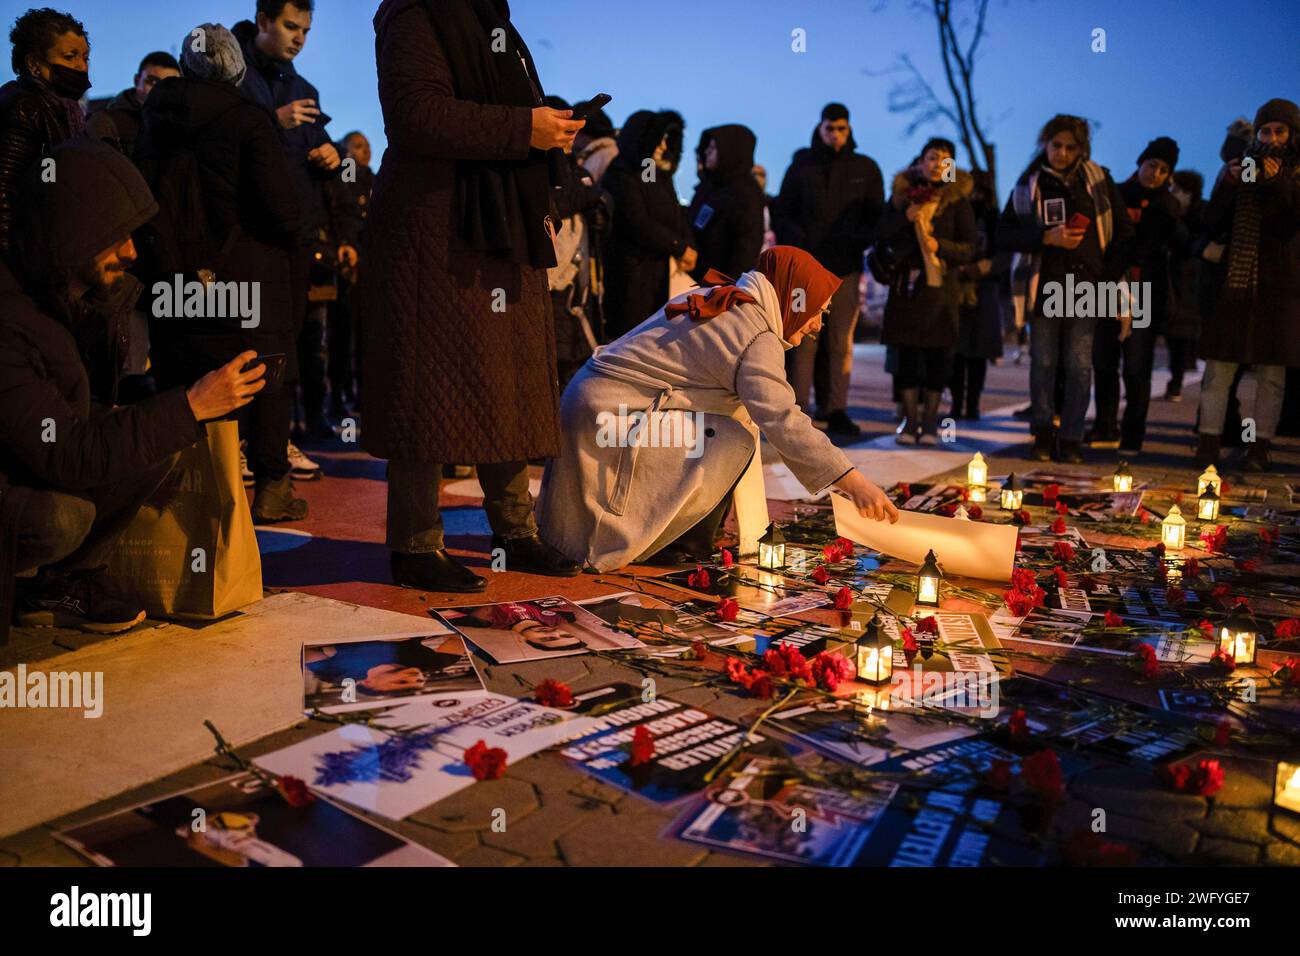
[75, 468]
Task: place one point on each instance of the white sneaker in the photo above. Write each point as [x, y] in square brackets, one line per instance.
[244, 473]
[304, 469]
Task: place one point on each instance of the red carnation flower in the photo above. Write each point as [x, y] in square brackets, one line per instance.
[1246, 564]
[1204, 780]
[727, 560]
[832, 553]
[1288, 671]
[821, 575]
[1222, 732]
[486, 763]
[1086, 848]
[927, 625]
[1269, 536]
[1018, 725]
[643, 747]
[843, 599]
[785, 660]
[1062, 508]
[1216, 541]
[1206, 627]
[910, 646]
[295, 792]
[727, 609]
[1062, 579]
[999, 775]
[1113, 620]
[1221, 658]
[1063, 551]
[829, 669]
[1051, 492]
[1150, 663]
[551, 693]
[1144, 516]
[1284, 630]
[1191, 568]
[1042, 775]
[699, 578]
[948, 510]
[1175, 595]
[975, 512]
[1021, 518]
[904, 490]
[1022, 579]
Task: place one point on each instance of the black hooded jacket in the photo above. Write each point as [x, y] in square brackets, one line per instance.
[830, 203]
[726, 214]
[649, 227]
[247, 197]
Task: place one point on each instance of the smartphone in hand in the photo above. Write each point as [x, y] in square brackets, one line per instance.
[274, 362]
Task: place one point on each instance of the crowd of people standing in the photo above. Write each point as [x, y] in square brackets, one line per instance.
[513, 244]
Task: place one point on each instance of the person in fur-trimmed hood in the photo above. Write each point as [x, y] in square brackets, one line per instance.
[929, 228]
[1255, 209]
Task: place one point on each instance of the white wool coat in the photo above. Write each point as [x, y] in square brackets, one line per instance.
[608, 505]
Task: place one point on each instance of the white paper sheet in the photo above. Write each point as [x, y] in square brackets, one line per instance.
[966, 548]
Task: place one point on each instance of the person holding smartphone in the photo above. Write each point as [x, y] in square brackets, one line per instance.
[1065, 223]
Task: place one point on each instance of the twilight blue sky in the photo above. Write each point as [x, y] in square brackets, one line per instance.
[1182, 68]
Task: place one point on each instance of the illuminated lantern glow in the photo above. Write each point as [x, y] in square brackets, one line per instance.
[1209, 478]
[771, 549]
[1207, 505]
[1012, 494]
[1286, 792]
[1173, 530]
[1123, 480]
[927, 582]
[978, 495]
[1238, 636]
[977, 472]
[874, 654]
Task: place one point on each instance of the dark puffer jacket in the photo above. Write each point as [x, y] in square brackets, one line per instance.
[830, 204]
[726, 214]
[29, 127]
[649, 226]
[925, 316]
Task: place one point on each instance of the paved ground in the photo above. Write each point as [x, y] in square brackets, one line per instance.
[560, 816]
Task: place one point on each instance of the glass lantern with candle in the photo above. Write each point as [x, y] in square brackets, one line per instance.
[1173, 530]
[1207, 505]
[927, 582]
[977, 472]
[1123, 479]
[873, 654]
[1209, 477]
[1286, 791]
[978, 494]
[771, 549]
[1012, 494]
[1238, 636]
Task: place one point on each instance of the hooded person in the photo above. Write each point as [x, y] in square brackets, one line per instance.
[830, 202]
[678, 406]
[726, 212]
[649, 228]
[74, 467]
[1255, 211]
[118, 123]
[595, 146]
[199, 128]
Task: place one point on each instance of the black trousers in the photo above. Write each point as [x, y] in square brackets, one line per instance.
[967, 384]
[62, 531]
[1137, 353]
[922, 368]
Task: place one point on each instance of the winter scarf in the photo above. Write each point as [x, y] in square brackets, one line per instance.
[1026, 200]
[1243, 247]
[502, 208]
[70, 110]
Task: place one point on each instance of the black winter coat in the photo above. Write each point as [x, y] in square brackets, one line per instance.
[830, 204]
[1158, 231]
[29, 127]
[649, 225]
[118, 123]
[244, 177]
[1265, 331]
[925, 316]
[726, 213]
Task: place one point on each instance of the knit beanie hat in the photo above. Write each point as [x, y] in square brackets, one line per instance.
[1239, 136]
[1280, 111]
[211, 52]
[1162, 148]
[97, 199]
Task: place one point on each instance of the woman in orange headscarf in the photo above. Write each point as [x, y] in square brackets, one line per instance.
[659, 427]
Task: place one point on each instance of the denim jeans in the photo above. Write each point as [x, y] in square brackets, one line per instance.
[1045, 340]
[1270, 386]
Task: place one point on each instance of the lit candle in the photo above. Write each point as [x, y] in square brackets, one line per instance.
[1207, 505]
[977, 472]
[1173, 530]
[1012, 495]
[1210, 477]
[1123, 479]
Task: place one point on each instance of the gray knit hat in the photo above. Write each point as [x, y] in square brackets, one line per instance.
[211, 52]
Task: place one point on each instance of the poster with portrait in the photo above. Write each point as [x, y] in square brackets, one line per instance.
[667, 627]
[239, 822]
[343, 676]
[766, 592]
[535, 630]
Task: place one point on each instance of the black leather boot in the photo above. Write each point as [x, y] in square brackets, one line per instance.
[909, 428]
[1257, 456]
[434, 571]
[1207, 450]
[535, 556]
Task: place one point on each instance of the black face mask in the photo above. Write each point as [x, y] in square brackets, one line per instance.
[68, 82]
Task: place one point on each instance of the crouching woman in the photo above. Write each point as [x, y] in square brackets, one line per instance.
[707, 373]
